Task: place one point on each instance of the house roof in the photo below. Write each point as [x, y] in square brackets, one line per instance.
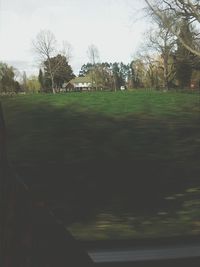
[85, 79]
[77, 80]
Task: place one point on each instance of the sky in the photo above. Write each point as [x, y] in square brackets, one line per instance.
[111, 25]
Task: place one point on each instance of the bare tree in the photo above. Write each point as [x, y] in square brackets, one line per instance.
[163, 42]
[46, 47]
[67, 50]
[172, 13]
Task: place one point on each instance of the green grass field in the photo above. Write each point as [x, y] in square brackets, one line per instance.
[118, 165]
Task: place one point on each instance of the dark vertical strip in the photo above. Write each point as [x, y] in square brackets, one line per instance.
[2, 138]
[3, 163]
[30, 235]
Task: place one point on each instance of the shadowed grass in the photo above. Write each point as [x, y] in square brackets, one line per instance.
[122, 152]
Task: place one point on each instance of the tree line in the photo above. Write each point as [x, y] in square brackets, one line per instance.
[177, 40]
[168, 58]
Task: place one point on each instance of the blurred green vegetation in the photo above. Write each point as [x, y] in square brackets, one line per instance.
[112, 165]
[138, 124]
[184, 221]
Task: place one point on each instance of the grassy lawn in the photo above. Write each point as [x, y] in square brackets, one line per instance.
[112, 165]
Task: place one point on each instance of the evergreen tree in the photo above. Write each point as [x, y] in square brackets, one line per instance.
[85, 69]
[24, 81]
[41, 80]
[7, 81]
[61, 70]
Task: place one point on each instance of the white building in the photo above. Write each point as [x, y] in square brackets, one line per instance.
[79, 84]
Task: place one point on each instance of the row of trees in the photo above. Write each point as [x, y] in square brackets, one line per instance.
[170, 57]
[12, 81]
[55, 69]
[173, 57]
[164, 62]
[108, 75]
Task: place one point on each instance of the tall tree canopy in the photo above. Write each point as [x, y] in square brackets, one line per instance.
[184, 58]
[7, 79]
[162, 42]
[46, 47]
[61, 70]
[172, 12]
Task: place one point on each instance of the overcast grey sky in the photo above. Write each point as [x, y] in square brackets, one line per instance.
[108, 24]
